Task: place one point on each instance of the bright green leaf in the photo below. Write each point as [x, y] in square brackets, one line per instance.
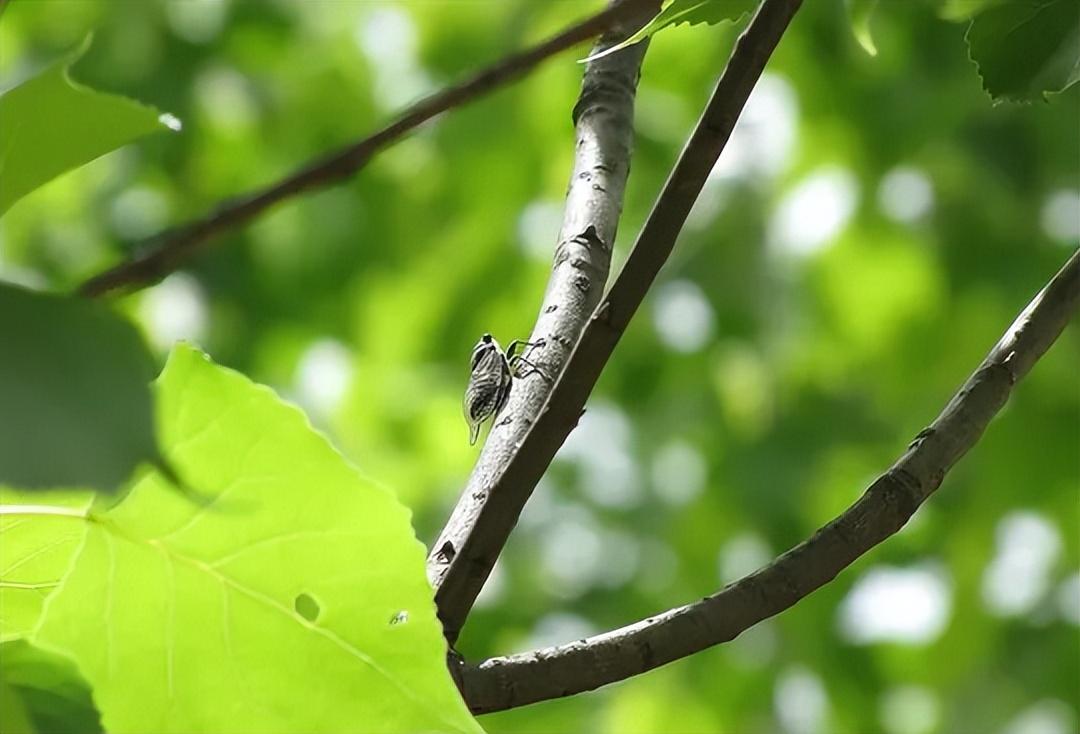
[860, 12]
[296, 601]
[49, 125]
[53, 696]
[75, 390]
[691, 12]
[1026, 48]
[35, 552]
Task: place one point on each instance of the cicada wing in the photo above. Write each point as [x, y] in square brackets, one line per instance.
[474, 432]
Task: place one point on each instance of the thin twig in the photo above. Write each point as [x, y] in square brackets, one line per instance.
[603, 118]
[477, 537]
[163, 253]
[508, 682]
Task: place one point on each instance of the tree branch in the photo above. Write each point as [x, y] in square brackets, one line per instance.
[517, 680]
[164, 252]
[604, 120]
[477, 532]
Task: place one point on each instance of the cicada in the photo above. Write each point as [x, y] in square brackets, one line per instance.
[492, 376]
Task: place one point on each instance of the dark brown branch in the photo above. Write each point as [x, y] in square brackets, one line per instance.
[604, 121]
[477, 534]
[508, 682]
[163, 253]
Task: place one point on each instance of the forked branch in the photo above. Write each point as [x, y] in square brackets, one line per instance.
[474, 538]
[890, 501]
[604, 121]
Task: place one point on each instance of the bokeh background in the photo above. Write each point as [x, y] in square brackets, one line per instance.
[872, 229]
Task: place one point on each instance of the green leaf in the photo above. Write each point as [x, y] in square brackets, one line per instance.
[1026, 48]
[860, 12]
[35, 551]
[14, 718]
[53, 696]
[75, 390]
[691, 12]
[296, 601]
[49, 125]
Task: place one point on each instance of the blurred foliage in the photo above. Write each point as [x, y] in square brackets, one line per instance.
[75, 386]
[871, 230]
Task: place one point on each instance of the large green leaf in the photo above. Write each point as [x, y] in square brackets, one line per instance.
[47, 689]
[49, 125]
[1026, 48]
[75, 393]
[690, 12]
[36, 549]
[295, 601]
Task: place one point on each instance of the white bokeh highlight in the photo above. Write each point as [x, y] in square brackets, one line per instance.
[1017, 578]
[682, 316]
[538, 228]
[741, 555]
[679, 473]
[601, 447]
[811, 215]
[909, 710]
[1048, 716]
[800, 701]
[174, 310]
[387, 37]
[323, 376]
[1060, 216]
[889, 604]
[905, 194]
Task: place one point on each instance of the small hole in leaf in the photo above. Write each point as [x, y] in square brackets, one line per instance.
[307, 607]
[400, 618]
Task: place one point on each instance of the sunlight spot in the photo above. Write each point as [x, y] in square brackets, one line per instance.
[1048, 716]
[909, 710]
[138, 212]
[811, 215]
[800, 701]
[743, 554]
[905, 194]
[1027, 545]
[225, 99]
[601, 448]
[538, 229]
[173, 310]
[755, 648]
[887, 604]
[1060, 216]
[1068, 599]
[682, 316]
[570, 561]
[323, 375]
[559, 628]
[196, 21]
[679, 473]
[621, 556]
[387, 36]
[764, 136]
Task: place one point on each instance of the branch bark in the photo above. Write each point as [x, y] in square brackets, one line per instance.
[507, 682]
[604, 122]
[164, 252]
[480, 525]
